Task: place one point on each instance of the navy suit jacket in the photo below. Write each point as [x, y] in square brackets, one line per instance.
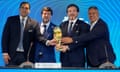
[97, 39]
[77, 55]
[11, 36]
[48, 53]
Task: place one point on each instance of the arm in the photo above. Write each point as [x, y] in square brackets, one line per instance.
[98, 32]
[5, 41]
[42, 39]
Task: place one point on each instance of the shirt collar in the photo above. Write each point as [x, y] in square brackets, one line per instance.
[24, 17]
[94, 22]
[73, 20]
[47, 24]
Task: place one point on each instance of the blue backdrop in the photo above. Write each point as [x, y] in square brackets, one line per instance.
[109, 11]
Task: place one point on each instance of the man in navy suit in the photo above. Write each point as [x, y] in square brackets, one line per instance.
[73, 27]
[45, 53]
[19, 35]
[99, 49]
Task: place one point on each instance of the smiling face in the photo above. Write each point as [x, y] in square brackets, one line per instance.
[24, 10]
[72, 13]
[93, 15]
[46, 15]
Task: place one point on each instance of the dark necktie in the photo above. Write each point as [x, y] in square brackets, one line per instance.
[44, 30]
[70, 28]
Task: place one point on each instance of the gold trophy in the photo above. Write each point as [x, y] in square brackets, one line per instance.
[57, 37]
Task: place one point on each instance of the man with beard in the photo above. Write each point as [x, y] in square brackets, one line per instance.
[73, 27]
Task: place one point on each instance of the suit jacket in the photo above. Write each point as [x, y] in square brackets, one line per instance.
[11, 36]
[98, 40]
[74, 55]
[48, 53]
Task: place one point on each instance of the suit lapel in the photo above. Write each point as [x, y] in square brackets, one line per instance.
[75, 26]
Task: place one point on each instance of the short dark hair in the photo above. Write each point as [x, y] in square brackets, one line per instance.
[47, 9]
[24, 3]
[92, 7]
[72, 5]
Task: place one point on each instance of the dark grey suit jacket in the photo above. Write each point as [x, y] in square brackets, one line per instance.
[11, 36]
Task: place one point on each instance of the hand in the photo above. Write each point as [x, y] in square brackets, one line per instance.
[6, 58]
[66, 40]
[58, 47]
[52, 42]
[64, 48]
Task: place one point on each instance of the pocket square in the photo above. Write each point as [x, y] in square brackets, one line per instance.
[30, 30]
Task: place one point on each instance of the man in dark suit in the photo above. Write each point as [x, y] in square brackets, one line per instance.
[19, 35]
[73, 27]
[45, 53]
[99, 49]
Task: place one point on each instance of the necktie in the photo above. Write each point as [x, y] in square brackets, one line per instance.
[70, 27]
[44, 29]
[20, 47]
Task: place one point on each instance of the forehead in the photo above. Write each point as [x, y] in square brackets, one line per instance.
[45, 11]
[93, 10]
[25, 5]
[72, 8]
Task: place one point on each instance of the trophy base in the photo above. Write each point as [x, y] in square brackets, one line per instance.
[26, 64]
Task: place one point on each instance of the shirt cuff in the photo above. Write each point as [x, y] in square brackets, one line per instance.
[5, 53]
[47, 43]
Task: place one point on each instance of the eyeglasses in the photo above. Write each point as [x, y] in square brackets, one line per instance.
[26, 8]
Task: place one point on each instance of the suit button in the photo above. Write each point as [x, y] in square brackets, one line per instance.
[76, 41]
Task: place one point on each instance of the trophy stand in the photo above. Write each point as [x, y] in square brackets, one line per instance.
[107, 64]
[27, 64]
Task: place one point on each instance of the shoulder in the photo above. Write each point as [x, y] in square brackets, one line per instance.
[13, 17]
[52, 25]
[102, 22]
[80, 22]
[32, 21]
[63, 23]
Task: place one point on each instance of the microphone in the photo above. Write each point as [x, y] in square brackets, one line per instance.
[27, 64]
[107, 64]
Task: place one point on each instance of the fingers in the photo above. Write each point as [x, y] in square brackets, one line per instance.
[66, 40]
[6, 59]
[62, 48]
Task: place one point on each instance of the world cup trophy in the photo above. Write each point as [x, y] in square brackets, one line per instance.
[57, 37]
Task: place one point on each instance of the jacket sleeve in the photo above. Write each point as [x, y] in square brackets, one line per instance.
[97, 33]
[5, 36]
[39, 36]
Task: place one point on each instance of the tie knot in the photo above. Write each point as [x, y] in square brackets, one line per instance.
[71, 22]
[44, 26]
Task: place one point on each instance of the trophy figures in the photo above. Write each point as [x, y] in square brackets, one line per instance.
[57, 37]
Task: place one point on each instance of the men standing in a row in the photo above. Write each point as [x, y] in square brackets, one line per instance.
[74, 57]
[19, 32]
[45, 53]
[99, 49]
